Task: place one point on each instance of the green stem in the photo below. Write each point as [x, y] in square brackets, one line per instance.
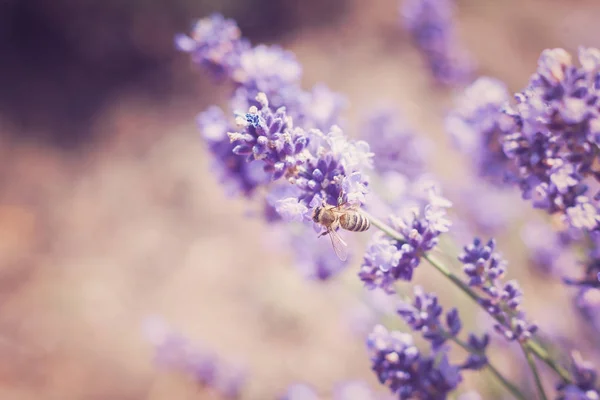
[505, 382]
[530, 345]
[536, 375]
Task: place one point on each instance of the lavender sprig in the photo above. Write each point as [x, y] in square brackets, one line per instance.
[176, 352]
[477, 125]
[485, 269]
[585, 385]
[425, 315]
[389, 259]
[406, 371]
[431, 28]
[530, 345]
[554, 141]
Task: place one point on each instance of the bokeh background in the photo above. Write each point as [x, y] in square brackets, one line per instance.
[109, 212]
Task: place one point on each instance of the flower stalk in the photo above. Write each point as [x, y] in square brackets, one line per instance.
[530, 346]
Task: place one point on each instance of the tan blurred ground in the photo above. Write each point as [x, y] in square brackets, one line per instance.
[136, 225]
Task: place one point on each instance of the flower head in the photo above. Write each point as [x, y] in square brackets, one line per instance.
[407, 372]
[485, 269]
[553, 139]
[396, 146]
[216, 44]
[585, 381]
[388, 260]
[430, 25]
[477, 126]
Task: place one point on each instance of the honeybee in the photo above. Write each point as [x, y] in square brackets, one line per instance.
[343, 215]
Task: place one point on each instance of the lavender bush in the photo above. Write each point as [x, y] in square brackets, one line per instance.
[286, 148]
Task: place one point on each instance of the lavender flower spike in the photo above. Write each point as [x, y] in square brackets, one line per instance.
[430, 25]
[388, 260]
[397, 146]
[401, 367]
[477, 125]
[485, 269]
[426, 315]
[555, 137]
[585, 385]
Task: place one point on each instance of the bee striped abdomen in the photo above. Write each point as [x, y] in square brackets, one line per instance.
[355, 222]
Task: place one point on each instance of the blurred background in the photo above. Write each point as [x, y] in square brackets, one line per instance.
[109, 212]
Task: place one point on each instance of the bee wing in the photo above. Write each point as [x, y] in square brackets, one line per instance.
[339, 246]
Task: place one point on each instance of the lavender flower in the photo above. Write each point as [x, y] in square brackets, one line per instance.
[271, 138]
[300, 391]
[485, 269]
[430, 25]
[175, 352]
[425, 315]
[216, 44]
[407, 372]
[584, 386]
[477, 125]
[353, 390]
[314, 256]
[321, 166]
[396, 146]
[554, 139]
[548, 252]
[388, 260]
[591, 277]
[234, 171]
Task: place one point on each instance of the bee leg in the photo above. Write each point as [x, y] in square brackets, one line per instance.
[322, 234]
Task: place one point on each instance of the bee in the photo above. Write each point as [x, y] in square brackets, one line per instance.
[343, 215]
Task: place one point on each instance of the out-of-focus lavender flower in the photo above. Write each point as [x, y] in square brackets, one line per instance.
[587, 302]
[547, 251]
[477, 126]
[299, 391]
[584, 386]
[313, 256]
[430, 25]
[175, 352]
[396, 146]
[591, 277]
[554, 141]
[485, 269]
[216, 44]
[233, 170]
[407, 372]
[388, 260]
[425, 315]
[354, 390]
[487, 208]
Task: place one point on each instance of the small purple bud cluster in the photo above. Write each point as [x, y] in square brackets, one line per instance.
[424, 315]
[554, 141]
[430, 25]
[585, 385]
[269, 137]
[485, 269]
[477, 125]
[398, 148]
[406, 371]
[388, 260]
[177, 353]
